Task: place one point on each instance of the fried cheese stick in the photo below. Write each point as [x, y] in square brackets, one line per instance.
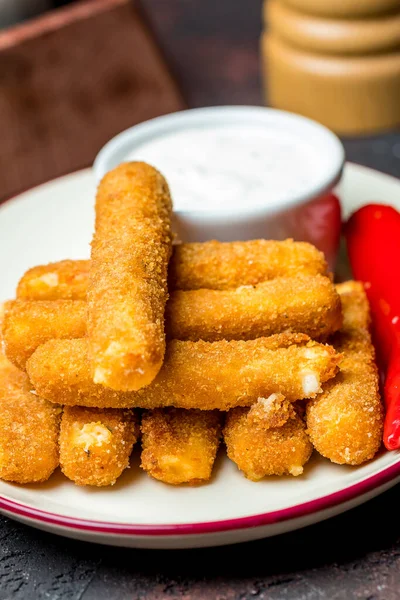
[259, 450]
[29, 324]
[95, 444]
[63, 280]
[345, 422]
[209, 265]
[180, 446]
[228, 265]
[305, 303]
[127, 288]
[29, 429]
[217, 375]
[273, 411]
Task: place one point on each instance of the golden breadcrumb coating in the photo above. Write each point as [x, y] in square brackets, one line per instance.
[204, 375]
[224, 265]
[128, 277]
[273, 411]
[211, 265]
[306, 304]
[95, 444]
[64, 280]
[28, 324]
[345, 422]
[29, 428]
[259, 451]
[180, 446]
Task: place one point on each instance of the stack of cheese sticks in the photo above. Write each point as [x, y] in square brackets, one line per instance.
[249, 340]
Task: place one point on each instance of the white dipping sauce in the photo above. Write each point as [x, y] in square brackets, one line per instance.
[230, 166]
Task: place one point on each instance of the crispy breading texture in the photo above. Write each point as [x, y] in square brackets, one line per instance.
[28, 324]
[218, 375]
[260, 451]
[180, 446]
[306, 303]
[273, 411]
[226, 265]
[95, 444]
[29, 429]
[345, 422]
[211, 265]
[64, 280]
[128, 277]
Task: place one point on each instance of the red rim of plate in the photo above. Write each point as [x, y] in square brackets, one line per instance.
[268, 518]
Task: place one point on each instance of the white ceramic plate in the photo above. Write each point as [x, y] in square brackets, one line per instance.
[54, 221]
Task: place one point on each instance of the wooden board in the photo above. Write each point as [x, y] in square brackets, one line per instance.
[69, 81]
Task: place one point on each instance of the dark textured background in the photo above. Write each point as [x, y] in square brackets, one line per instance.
[72, 80]
[356, 555]
[213, 49]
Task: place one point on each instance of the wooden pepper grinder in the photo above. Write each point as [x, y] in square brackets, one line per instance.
[336, 62]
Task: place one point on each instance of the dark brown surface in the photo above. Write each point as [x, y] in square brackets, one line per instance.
[71, 80]
[213, 49]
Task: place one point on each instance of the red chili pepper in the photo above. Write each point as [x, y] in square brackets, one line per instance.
[391, 431]
[373, 243]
